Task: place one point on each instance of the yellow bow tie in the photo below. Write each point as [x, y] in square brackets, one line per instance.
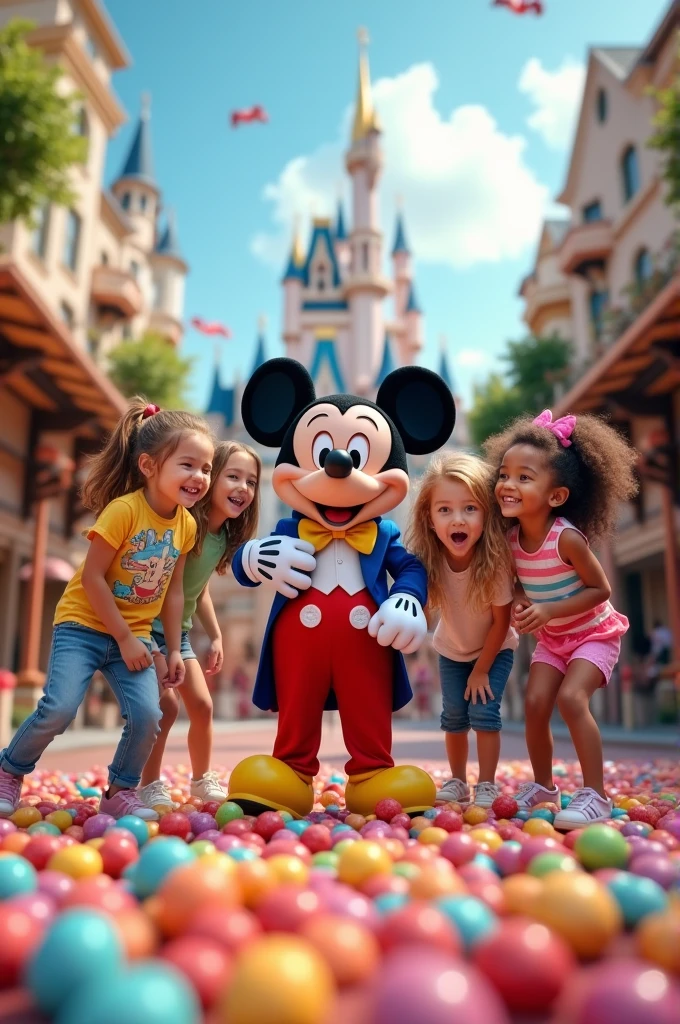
[361, 537]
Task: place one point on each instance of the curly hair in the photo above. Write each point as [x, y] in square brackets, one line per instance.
[598, 468]
[243, 527]
[491, 556]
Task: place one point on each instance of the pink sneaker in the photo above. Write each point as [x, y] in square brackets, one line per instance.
[531, 793]
[126, 801]
[10, 792]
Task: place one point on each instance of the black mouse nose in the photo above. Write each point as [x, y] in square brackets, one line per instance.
[338, 463]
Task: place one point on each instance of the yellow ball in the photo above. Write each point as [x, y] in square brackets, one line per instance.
[97, 842]
[77, 861]
[581, 910]
[280, 979]
[62, 819]
[153, 827]
[215, 858]
[287, 869]
[433, 835]
[486, 837]
[539, 827]
[475, 815]
[25, 816]
[434, 880]
[361, 860]
[522, 893]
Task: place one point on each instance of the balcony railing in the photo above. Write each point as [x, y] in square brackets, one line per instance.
[585, 245]
[116, 290]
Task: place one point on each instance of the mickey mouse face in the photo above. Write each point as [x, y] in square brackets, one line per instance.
[343, 458]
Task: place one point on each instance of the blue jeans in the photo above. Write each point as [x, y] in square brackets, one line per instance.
[459, 714]
[77, 653]
[185, 648]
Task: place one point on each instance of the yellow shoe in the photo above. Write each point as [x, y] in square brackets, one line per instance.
[263, 783]
[411, 786]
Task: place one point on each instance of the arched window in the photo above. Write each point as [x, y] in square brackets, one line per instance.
[644, 268]
[125, 200]
[601, 106]
[630, 173]
[81, 127]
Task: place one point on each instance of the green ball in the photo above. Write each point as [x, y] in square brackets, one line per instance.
[227, 811]
[405, 869]
[326, 858]
[342, 845]
[546, 863]
[600, 846]
[202, 847]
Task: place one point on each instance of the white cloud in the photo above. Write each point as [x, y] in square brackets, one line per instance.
[472, 358]
[469, 196]
[556, 95]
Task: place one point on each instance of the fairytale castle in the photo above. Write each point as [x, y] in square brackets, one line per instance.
[336, 320]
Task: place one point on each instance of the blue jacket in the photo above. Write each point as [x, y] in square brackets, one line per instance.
[388, 556]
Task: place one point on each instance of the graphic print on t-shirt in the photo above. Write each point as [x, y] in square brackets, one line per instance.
[152, 561]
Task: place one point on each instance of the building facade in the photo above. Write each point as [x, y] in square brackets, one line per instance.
[607, 280]
[71, 287]
[349, 322]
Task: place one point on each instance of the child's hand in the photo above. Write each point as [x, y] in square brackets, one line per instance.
[176, 670]
[519, 605]
[135, 653]
[533, 617]
[161, 667]
[478, 685]
[215, 657]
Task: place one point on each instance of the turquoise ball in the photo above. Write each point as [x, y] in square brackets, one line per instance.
[298, 827]
[17, 876]
[472, 919]
[43, 828]
[544, 813]
[242, 853]
[637, 896]
[137, 826]
[387, 902]
[148, 993]
[156, 861]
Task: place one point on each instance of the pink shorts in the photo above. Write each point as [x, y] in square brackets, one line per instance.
[602, 653]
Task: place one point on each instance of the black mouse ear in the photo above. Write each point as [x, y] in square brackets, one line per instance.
[273, 397]
[421, 407]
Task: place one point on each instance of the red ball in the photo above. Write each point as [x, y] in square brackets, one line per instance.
[536, 845]
[316, 838]
[75, 832]
[285, 908]
[378, 885]
[645, 813]
[46, 807]
[205, 964]
[402, 820]
[386, 809]
[418, 924]
[295, 849]
[237, 827]
[174, 824]
[527, 963]
[20, 934]
[40, 848]
[212, 807]
[570, 838]
[267, 823]
[450, 821]
[101, 893]
[505, 807]
[231, 927]
[117, 851]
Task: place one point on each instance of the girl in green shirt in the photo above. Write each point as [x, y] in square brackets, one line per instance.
[226, 517]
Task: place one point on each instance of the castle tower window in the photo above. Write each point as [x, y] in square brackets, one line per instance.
[364, 255]
[644, 268]
[601, 105]
[41, 231]
[72, 240]
[630, 173]
[143, 199]
[125, 200]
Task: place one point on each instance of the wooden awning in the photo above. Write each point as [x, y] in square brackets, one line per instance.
[639, 372]
[42, 365]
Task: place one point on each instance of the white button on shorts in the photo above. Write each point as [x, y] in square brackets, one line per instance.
[360, 616]
[310, 616]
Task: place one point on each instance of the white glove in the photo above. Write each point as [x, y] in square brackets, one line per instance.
[400, 623]
[280, 562]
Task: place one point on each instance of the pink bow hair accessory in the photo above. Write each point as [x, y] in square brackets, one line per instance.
[562, 428]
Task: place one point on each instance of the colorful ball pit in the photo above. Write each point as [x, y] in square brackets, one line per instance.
[215, 914]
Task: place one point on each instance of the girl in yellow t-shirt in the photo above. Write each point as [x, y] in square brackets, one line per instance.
[154, 467]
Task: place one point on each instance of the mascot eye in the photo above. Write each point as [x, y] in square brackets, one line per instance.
[359, 449]
[323, 444]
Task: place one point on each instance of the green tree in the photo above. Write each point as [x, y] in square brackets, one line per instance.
[534, 366]
[38, 143]
[666, 137]
[152, 367]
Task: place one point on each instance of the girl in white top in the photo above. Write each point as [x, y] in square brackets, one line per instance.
[456, 531]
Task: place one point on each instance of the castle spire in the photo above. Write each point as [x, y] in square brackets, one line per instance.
[296, 260]
[365, 116]
[139, 161]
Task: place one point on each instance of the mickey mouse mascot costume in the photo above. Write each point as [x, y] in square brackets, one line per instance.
[335, 638]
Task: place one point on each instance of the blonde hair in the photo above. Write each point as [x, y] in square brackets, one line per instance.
[140, 431]
[239, 530]
[491, 555]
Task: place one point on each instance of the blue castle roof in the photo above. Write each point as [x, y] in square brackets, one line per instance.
[168, 243]
[322, 230]
[340, 232]
[325, 353]
[444, 371]
[139, 161]
[400, 243]
[412, 304]
[260, 353]
[387, 364]
[221, 401]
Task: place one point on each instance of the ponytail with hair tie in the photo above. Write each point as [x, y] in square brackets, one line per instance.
[150, 410]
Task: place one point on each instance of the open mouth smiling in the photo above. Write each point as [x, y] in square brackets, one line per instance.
[338, 517]
[458, 537]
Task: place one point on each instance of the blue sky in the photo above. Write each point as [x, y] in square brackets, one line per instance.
[477, 106]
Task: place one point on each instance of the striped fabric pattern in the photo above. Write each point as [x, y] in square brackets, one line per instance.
[546, 577]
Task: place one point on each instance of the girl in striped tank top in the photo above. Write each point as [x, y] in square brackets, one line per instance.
[561, 482]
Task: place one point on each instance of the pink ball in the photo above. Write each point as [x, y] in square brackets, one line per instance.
[670, 823]
[96, 826]
[226, 843]
[268, 823]
[201, 822]
[423, 984]
[459, 849]
[345, 901]
[450, 821]
[316, 838]
[537, 845]
[622, 990]
[287, 907]
[6, 826]
[402, 820]
[656, 866]
[38, 905]
[508, 857]
[386, 809]
[55, 884]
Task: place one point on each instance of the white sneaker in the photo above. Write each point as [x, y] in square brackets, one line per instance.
[10, 792]
[485, 793]
[531, 793]
[586, 807]
[157, 794]
[208, 788]
[455, 791]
